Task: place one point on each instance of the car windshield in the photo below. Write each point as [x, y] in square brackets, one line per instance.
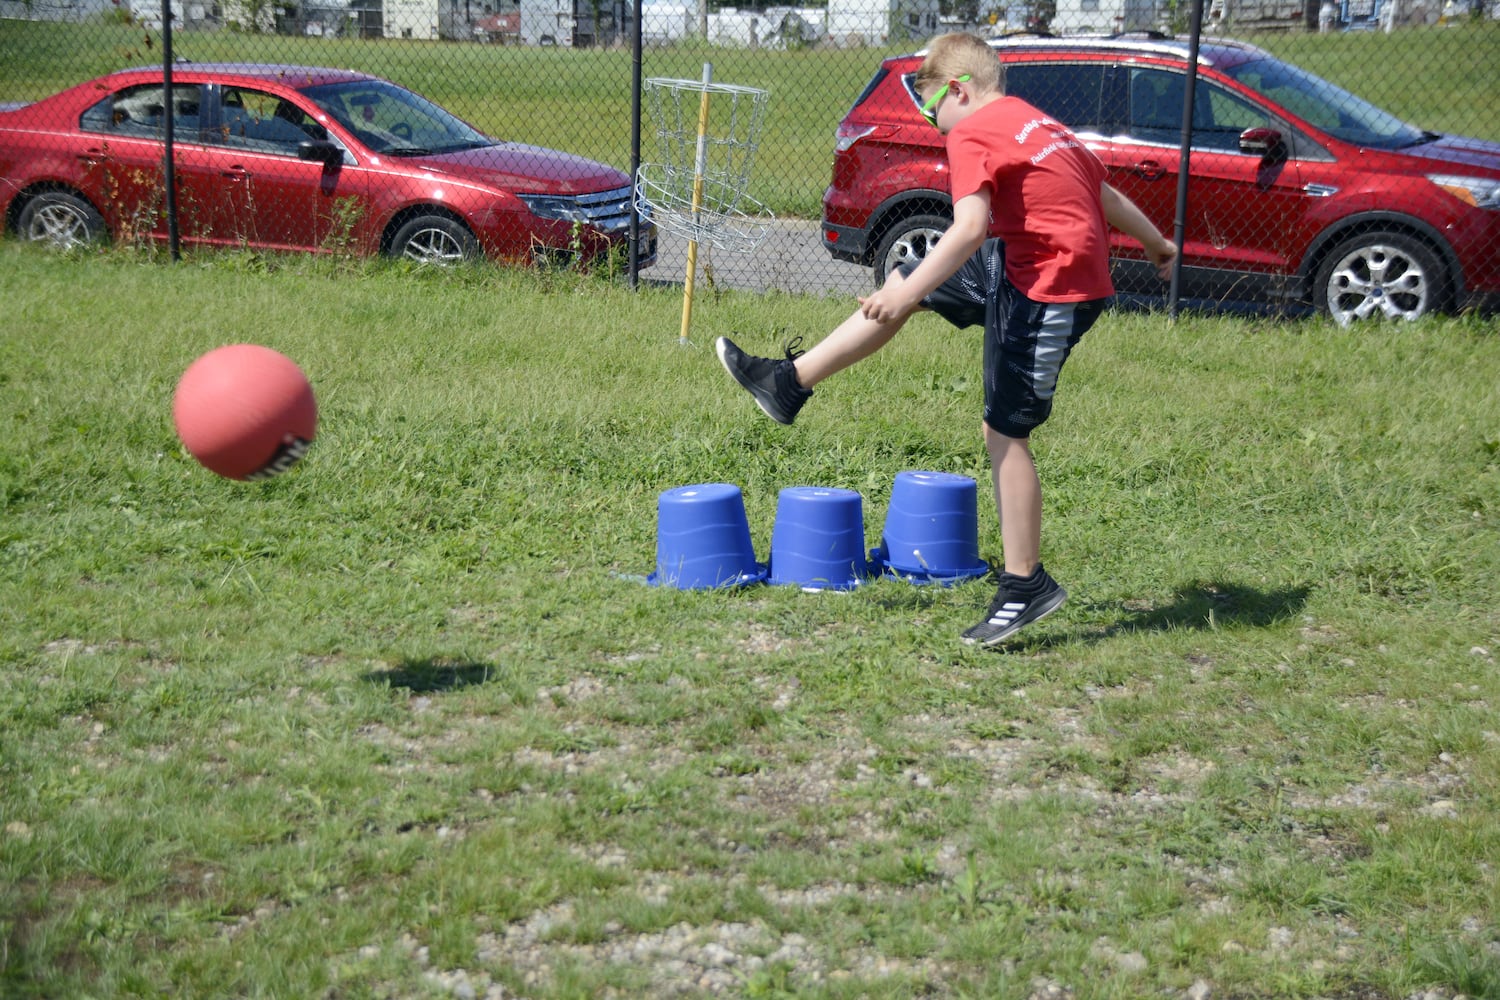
[394, 121]
[1330, 108]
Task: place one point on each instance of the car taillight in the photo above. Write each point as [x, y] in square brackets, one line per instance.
[847, 135]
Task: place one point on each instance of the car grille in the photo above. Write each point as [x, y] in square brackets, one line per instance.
[607, 210]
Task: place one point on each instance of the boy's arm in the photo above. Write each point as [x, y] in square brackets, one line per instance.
[1122, 213]
[971, 224]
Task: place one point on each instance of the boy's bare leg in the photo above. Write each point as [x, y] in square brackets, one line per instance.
[855, 339]
[1027, 593]
[1018, 500]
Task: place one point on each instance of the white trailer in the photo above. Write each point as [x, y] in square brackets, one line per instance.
[411, 19]
[547, 22]
[875, 22]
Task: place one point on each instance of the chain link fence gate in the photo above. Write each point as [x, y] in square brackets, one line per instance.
[553, 77]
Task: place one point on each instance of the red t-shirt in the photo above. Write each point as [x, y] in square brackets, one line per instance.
[1044, 199]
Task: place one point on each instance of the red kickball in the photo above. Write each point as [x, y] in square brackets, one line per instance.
[245, 411]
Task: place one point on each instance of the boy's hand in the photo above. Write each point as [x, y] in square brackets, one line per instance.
[887, 304]
[902, 294]
[1162, 252]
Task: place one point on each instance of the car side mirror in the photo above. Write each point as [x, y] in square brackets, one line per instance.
[321, 150]
[1266, 143]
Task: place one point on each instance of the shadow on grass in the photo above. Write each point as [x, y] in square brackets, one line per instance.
[1197, 606]
[1214, 604]
[428, 675]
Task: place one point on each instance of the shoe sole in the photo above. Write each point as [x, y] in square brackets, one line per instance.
[720, 346]
[1042, 612]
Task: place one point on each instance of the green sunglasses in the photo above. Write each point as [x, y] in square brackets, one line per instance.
[929, 110]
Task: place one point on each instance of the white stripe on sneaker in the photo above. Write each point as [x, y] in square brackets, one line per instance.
[1007, 613]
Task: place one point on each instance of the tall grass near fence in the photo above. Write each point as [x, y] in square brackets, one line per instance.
[579, 100]
[406, 721]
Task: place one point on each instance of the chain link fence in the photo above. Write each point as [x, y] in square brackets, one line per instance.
[1305, 183]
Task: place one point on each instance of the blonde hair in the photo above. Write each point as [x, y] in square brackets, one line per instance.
[951, 56]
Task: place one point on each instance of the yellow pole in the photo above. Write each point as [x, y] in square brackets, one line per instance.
[699, 166]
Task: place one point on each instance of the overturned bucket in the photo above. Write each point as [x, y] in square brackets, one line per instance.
[818, 542]
[703, 539]
[931, 532]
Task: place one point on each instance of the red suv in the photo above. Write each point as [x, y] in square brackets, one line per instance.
[1299, 191]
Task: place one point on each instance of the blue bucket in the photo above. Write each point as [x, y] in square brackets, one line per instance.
[819, 539]
[703, 539]
[931, 530]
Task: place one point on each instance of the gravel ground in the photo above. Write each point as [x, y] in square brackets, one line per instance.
[719, 959]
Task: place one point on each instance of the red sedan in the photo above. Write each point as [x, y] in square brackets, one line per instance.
[298, 158]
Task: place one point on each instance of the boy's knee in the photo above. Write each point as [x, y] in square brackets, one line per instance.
[998, 443]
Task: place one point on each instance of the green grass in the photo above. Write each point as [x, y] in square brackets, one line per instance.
[580, 100]
[408, 710]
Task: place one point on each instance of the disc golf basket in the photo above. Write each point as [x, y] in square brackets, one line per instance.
[707, 135]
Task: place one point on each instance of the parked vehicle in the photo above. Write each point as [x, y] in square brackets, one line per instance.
[1299, 191]
[298, 158]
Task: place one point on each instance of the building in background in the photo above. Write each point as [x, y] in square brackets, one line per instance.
[1088, 17]
[841, 23]
[256, 16]
[55, 10]
[411, 18]
[860, 22]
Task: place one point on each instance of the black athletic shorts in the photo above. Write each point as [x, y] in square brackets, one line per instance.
[1025, 342]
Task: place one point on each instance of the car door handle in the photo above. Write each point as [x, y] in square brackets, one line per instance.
[1150, 169]
[91, 157]
[235, 173]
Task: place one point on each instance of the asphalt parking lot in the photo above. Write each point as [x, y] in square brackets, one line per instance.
[790, 258]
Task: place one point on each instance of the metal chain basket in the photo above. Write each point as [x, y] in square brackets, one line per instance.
[707, 135]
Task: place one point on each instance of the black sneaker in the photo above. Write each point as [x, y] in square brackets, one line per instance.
[772, 382]
[1019, 601]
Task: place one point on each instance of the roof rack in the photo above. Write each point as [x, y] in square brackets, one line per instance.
[1165, 46]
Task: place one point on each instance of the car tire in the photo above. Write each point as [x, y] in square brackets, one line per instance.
[1380, 274]
[907, 242]
[434, 239]
[61, 220]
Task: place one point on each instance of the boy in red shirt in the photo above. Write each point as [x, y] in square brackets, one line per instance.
[1027, 256]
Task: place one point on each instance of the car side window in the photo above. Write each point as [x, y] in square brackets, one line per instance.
[262, 122]
[1156, 98]
[1231, 115]
[141, 111]
[1069, 92]
[1301, 101]
[1156, 105]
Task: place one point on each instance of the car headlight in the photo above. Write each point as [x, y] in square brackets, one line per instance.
[1476, 191]
[552, 206]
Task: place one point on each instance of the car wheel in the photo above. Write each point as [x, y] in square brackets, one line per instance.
[907, 242]
[434, 239]
[1380, 274]
[61, 220]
